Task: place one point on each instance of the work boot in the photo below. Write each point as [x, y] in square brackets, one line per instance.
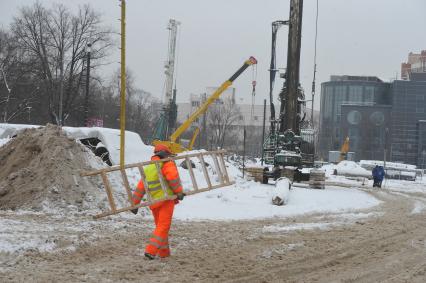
[149, 256]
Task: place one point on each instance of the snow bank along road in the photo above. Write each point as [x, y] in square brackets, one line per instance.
[384, 243]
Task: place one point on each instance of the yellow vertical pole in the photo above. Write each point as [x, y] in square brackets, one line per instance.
[123, 82]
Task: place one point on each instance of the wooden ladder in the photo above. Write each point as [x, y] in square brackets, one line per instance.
[219, 164]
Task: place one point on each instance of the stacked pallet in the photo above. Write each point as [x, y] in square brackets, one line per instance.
[255, 173]
[317, 179]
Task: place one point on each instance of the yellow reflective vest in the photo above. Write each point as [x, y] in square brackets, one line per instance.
[153, 182]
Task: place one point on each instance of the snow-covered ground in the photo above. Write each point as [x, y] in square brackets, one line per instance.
[250, 200]
[347, 168]
[246, 200]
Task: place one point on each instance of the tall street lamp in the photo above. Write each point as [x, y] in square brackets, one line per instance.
[86, 99]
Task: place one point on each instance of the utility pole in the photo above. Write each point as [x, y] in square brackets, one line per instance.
[263, 130]
[86, 99]
[244, 150]
[123, 83]
[385, 148]
[204, 132]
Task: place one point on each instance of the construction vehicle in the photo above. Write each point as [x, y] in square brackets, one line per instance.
[167, 120]
[173, 143]
[283, 148]
[344, 150]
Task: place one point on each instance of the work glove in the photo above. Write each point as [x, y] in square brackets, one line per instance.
[134, 211]
[180, 196]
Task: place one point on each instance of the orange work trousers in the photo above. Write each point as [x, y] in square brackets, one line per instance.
[159, 241]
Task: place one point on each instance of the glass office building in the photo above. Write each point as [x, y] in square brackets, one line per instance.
[368, 129]
[421, 145]
[408, 116]
[345, 90]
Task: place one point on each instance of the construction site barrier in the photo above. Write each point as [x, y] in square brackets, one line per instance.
[218, 160]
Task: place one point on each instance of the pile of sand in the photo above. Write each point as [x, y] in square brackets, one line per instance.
[42, 166]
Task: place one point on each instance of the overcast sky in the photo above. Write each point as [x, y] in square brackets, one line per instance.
[356, 37]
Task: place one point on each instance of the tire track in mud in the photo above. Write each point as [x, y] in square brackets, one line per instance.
[390, 247]
[311, 266]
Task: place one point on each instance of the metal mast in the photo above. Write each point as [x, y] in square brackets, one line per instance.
[290, 93]
[273, 70]
[169, 65]
[170, 98]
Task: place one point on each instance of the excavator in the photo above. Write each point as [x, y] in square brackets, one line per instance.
[173, 142]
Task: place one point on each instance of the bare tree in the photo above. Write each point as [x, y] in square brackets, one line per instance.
[15, 78]
[140, 116]
[220, 118]
[56, 39]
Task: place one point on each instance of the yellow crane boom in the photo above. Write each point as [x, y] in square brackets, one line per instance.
[173, 143]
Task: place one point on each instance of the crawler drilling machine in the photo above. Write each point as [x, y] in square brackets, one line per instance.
[283, 148]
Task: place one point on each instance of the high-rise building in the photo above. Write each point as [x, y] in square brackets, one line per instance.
[416, 63]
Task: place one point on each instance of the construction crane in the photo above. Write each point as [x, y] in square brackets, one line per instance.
[283, 145]
[167, 120]
[173, 142]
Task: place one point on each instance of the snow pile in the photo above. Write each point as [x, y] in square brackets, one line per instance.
[9, 130]
[281, 192]
[40, 170]
[393, 165]
[395, 170]
[351, 168]
[135, 150]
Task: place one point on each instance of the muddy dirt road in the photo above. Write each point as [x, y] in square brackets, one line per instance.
[385, 244]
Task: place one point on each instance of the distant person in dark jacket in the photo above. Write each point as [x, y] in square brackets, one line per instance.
[378, 176]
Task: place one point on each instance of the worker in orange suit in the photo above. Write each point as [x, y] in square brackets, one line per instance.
[162, 210]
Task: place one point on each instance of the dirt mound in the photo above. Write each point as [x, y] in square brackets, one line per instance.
[42, 167]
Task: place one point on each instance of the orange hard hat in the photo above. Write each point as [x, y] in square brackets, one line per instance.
[161, 147]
